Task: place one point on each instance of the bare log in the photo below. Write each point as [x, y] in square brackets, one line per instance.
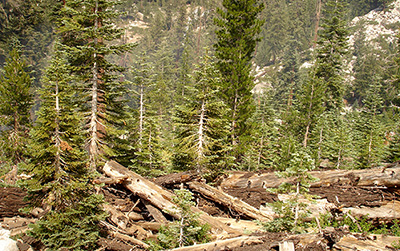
[157, 215]
[229, 201]
[158, 196]
[153, 226]
[372, 242]
[387, 212]
[129, 238]
[376, 177]
[227, 244]
[109, 181]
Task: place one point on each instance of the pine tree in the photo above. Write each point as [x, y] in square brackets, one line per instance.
[310, 105]
[332, 46]
[86, 29]
[60, 180]
[262, 153]
[201, 128]
[238, 27]
[371, 129]
[16, 101]
[146, 127]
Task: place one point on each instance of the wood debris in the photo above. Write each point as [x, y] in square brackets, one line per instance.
[138, 207]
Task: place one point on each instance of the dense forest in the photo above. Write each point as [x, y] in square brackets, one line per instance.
[163, 86]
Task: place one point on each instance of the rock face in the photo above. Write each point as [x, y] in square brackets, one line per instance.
[7, 244]
[378, 23]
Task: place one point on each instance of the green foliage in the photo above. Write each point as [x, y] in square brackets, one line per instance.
[74, 227]
[263, 149]
[201, 127]
[332, 46]
[86, 30]
[16, 101]
[371, 129]
[237, 35]
[360, 225]
[185, 231]
[60, 179]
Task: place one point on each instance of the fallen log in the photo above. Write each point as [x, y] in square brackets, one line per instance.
[372, 242]
[245, 225]
[387, 212]
[227, 244]
[132, 240]
[159, 197]
[376, 177]
[157, 215]
[228, 201]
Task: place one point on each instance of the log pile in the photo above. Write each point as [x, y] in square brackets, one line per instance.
[137, 208]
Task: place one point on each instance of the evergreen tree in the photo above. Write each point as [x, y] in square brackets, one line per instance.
[201, 128]
[146, 128]
[238, 27]
[86, 29]
[310, 105]
[60, 180]
[262, 153]
[16, 101]
[371, 128]
[332, 46]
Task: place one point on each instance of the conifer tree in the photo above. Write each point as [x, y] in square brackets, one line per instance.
[332, 46]
[371, 129]
[60, 180]
[16, 100]
[86, 29]
[146, 129]
[237, 35]
[262, 153]
[201, 128]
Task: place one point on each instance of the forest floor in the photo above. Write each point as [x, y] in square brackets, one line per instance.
[339, 195]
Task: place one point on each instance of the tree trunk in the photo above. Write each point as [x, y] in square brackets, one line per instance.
[386, 177]
[200, 138]
[93, 130]
[228, 201]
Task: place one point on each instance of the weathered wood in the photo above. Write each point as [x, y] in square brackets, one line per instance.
[116, 216]
[386, 212]
[177, 178]
[376, 177]
[157, 215]
[227, 244]
[158, 196]
[229, 201]
[286, 246]
[129, 238]
[245, 225]
[153, 226]
[135, 216]
[372, 242]
[109, 181]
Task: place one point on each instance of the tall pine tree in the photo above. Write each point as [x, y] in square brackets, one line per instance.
[16, 100]
[60, 180]
[237, 35]
[86, 30]
[201, 128]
